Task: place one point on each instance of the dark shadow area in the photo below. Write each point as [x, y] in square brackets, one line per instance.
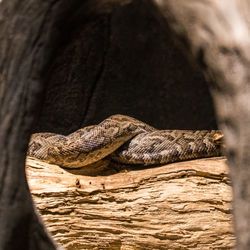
[119, 59]
[108, 167]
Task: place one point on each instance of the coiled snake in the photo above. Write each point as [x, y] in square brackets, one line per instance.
[125, 140]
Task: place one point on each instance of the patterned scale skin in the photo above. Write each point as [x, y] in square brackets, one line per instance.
[165, 146]
[124, 140]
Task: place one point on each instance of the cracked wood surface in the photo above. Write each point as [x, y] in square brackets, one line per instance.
[183, 205]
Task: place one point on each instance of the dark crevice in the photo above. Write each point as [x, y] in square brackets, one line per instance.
[101, 70]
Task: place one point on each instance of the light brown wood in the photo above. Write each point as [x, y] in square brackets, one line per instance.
[184, 205]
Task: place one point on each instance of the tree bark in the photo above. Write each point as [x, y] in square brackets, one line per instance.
[184, 205]
[23, 54]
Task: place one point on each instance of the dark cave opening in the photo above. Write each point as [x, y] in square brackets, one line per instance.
[120, 60]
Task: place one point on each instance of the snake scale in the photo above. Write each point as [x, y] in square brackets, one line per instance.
[125, 140]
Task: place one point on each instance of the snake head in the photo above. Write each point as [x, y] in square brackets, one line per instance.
[218, 138]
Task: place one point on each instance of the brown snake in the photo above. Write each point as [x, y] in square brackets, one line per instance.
[125, 140]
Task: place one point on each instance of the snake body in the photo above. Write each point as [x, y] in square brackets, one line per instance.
[125, 140]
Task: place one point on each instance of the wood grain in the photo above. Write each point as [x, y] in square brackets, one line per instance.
[184, 205]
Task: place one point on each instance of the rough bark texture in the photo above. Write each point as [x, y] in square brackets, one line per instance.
[185, 205]
[23, 54]
[217, 35]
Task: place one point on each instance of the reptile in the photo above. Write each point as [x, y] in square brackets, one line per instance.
[125, 140]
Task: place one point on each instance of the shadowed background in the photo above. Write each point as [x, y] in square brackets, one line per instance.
[121, 60]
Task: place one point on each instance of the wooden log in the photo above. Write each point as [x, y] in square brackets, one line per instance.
[183, 205]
